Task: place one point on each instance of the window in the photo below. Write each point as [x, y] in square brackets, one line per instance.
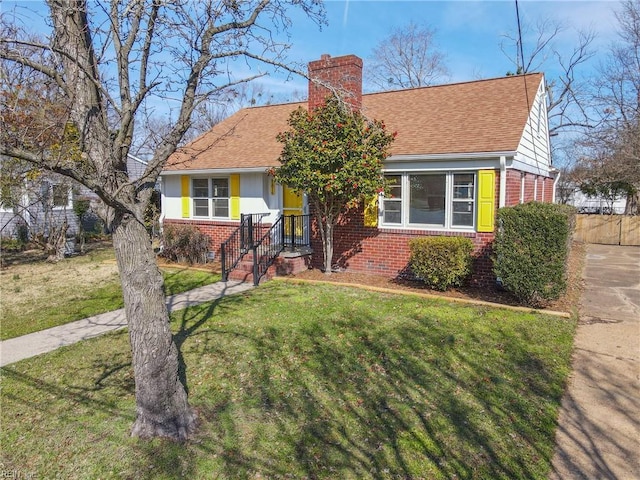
[60, 195]
[436, 200]
[463, 199]
[210, 197]
[393, 203]
[427, 199]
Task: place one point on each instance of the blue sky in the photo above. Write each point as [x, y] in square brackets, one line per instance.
[469, 33]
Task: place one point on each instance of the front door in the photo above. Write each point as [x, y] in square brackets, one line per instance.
[291, 202]
[292, 205]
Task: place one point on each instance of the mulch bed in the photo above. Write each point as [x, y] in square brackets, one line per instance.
[567, 303]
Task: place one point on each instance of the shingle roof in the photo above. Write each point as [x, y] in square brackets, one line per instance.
[471, 117]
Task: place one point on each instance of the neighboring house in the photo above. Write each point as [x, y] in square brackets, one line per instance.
[48, 200]
[572, 195]
[37, 206]
[462, 151]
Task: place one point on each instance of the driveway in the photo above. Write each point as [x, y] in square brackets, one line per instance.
[598, 435]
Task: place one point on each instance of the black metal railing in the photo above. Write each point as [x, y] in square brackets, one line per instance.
[296, 231]
[265, 243]
[240, 241]
[288, 232]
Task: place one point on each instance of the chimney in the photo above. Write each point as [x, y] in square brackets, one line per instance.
[344, 74]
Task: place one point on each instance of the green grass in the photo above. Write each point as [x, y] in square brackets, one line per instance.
[307, 381]
[56, 304]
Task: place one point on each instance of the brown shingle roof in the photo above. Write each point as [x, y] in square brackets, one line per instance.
[471, 117]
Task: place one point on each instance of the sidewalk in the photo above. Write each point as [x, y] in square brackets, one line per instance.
[598, 435]
[16, 349]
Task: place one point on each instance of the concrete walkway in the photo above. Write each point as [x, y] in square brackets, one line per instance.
[16, 349]
[598, 435]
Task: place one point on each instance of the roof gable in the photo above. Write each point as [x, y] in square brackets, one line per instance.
[471, 117]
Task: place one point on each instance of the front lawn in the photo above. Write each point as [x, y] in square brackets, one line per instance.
[307, 381]
[39, 295]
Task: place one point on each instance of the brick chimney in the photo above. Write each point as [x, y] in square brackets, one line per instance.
[341, 73]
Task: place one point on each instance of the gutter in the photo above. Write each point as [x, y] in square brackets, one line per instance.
[209, 171]
[450, 156]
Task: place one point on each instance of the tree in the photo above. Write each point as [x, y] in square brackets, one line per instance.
[107, 61]
[334, 155]
[612, 161]
[567, 101]
[407, 58]
[34, 116]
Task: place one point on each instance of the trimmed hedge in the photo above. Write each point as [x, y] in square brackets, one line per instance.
[441, 262]
[531, 250]
[184, 244]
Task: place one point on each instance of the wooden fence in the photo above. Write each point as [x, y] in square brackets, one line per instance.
[608, 229]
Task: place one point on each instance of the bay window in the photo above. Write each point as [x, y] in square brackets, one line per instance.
[430, 200]
[210, 197]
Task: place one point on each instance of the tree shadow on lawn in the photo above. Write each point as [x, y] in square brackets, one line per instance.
[374, 403]
[346, 396]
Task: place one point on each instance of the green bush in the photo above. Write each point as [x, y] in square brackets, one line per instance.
[8, 244]
[441, 262]
[184, 244]
[531, 250]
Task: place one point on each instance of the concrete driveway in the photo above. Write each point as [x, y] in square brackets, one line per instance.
[599, 425]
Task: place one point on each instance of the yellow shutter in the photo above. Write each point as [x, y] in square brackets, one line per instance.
[486, 200]
[371, 212]
[186, 200]
[234, 181]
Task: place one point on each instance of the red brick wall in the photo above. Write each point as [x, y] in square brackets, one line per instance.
[218, 231]
[386, 251]
[513, 188]
[343, 73]
[544, 191]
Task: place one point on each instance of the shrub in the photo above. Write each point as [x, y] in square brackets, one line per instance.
[531, 250]
[8, 244]
[441, 262]
[184, 244]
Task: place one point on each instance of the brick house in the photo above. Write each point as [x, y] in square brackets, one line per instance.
[462, 151]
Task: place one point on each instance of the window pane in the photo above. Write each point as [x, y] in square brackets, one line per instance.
[201, 208]
[462, 214]
[60, 195]
[395, 186]
[463, 185]
[220, 187]
[427, 199]
[200, 187]
[392, 211]
[221, 207]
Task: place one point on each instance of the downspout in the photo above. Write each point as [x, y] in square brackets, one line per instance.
[502, 200]
[555, 183]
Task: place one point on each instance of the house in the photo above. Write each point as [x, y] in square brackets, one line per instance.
[462, 151]
[571, 194]
[35, 205]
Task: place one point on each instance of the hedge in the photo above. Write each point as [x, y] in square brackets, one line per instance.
[531, 250]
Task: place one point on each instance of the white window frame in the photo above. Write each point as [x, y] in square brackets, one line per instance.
[405, 202]
[211, 198]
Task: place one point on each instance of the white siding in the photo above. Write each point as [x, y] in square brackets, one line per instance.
[253, 194]
[171, 197]
[534, 149]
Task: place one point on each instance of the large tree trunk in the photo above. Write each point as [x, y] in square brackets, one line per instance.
[162, 408]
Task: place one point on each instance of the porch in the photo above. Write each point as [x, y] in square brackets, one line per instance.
[256, 250]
